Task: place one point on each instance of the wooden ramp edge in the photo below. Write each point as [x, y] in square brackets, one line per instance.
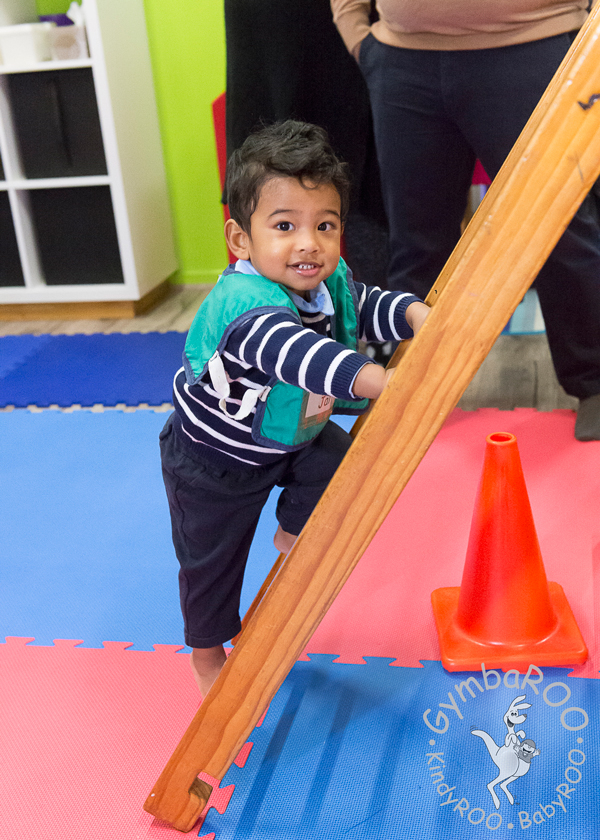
[552, 167]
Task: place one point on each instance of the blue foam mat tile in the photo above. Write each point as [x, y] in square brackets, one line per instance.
[86, 530]
[16, 349]
[86, 535]
[344, 753]
[110, 369]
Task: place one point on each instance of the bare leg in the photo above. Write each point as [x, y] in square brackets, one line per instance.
[206, 664]
[283, 540]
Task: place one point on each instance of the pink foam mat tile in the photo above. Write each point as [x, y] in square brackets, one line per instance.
[590, 624]
[85, 735]
[384, 608]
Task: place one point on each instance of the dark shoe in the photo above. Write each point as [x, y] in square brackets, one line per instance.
[587, 425]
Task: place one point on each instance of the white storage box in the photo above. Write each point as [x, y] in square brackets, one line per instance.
[68, 43]
[26, 43]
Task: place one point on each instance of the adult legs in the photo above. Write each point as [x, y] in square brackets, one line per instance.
[425, 161]
[433, 114]
[491, 94]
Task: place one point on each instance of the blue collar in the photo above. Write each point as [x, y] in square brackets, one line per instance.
[320, 299]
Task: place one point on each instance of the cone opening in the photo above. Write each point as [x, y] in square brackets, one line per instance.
[501, 437]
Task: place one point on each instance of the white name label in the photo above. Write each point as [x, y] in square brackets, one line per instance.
[318, 404]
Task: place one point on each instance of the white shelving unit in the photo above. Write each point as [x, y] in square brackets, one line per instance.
[127, 249]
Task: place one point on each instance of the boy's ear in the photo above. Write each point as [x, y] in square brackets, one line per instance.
[237, 240]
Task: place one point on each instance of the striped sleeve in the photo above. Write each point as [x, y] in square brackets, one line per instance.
[383, 314]
[279, 346]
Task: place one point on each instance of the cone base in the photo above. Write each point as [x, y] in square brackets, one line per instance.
[565, 646]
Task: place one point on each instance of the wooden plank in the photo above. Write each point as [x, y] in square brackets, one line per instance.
[553, 166]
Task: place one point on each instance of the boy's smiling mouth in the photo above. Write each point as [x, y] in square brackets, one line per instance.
[306, 269]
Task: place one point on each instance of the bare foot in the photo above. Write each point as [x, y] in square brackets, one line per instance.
[283, 540]
[206, 665]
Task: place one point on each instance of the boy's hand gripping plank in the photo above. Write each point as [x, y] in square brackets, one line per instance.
[551, 168]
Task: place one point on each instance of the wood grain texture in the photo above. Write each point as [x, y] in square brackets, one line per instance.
[544, 180]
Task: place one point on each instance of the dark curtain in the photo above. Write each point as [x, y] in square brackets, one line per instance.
[285, 59]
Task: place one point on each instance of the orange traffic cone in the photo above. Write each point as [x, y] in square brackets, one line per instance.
[505, 614]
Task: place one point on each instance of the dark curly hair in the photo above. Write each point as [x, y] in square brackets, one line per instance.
[285, 149]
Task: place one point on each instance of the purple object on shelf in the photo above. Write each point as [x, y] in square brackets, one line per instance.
[59, 20]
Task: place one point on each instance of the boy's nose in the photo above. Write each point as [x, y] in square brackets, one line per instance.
[307, 242]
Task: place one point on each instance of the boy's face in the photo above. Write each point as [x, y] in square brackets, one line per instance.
[295, 234]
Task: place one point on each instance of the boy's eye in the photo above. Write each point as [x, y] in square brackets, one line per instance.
[284, 226]
[326, 226]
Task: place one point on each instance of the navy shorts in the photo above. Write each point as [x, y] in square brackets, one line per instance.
[214, 514]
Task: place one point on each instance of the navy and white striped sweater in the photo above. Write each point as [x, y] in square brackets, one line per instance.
[275, 344]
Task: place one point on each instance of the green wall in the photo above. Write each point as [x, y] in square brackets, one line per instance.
[187, 46]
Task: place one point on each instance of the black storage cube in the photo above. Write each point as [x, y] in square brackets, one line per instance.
[76, 235]
[57, 124]
[11, 273]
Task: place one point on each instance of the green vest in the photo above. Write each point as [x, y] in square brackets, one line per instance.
[287, 417]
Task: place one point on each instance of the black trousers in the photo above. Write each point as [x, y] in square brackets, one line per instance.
[436, 112]
[214, 514]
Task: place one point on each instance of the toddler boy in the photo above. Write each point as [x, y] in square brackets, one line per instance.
[272, 352]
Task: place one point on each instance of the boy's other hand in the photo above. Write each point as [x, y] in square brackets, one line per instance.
[416, 314]
[370, 381]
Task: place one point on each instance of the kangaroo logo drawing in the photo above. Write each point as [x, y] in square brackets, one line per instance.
[513, 757]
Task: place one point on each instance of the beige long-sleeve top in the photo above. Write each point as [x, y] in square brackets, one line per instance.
[456, 24]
